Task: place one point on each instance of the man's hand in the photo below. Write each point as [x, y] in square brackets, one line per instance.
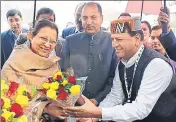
[88, 110]
[94, 101]
[163, 17]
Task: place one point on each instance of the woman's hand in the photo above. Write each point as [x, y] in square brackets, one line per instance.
[56, 110]
[88, 110]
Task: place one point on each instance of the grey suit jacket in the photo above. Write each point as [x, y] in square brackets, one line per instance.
[92, 56]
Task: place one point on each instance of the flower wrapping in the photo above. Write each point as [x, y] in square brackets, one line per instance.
[22, 102]
[64, 88]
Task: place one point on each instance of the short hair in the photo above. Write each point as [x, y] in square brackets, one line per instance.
[124, 14]
[13, 12]
[45, 11]
[80, 5]
[44, 23]
[133, 33]
[94, 3]
[156, 27]
[148, 25]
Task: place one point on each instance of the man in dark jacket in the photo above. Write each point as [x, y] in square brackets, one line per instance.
[8, 38]
[168, 40]
[90, 53]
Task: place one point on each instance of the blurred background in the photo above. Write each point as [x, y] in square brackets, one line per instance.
[64, 11]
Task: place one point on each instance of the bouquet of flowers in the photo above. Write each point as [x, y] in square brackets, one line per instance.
[64, 88]
[14, 100]
[20, 102]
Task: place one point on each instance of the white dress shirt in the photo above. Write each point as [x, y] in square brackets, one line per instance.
[156, 79]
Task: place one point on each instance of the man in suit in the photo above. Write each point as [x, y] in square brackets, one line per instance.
[78, 28]
[90, 53]
[8, 38]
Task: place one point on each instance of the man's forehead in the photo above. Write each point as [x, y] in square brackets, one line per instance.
[120, 35]
[156, 32]
[47, 16]
[14, 17]
[90, 9]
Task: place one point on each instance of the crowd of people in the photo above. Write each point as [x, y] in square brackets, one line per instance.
[128, 72]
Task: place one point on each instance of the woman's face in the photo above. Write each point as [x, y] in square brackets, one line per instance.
[44, 42]
[146, 31]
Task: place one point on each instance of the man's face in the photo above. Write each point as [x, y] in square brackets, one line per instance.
[78, 21]
[155, 42]
[15, 23]
[91, 19]
[49, 17]
[124, 44]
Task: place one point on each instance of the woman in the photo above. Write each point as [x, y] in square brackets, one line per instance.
[146, 28]
[31, 61]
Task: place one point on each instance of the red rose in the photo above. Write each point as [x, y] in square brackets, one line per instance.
[44, 91]
[62, 96]
[13, 85]
[59, 78]
[2, 119]
[2, 102]
[72, 80]
[12, 88]
[17, 109]
[50, 79]
[61, 89]
[10, 92]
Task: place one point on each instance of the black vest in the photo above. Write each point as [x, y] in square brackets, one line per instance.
[146, 57]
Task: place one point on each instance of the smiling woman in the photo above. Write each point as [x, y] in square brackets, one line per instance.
[43, 38]
[31, 60]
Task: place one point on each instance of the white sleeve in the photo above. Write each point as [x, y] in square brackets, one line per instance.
[116, 95]
[156, 79]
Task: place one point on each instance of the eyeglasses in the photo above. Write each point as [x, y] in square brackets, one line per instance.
[45, 40]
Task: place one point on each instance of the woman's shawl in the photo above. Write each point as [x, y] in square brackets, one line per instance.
[23, 63]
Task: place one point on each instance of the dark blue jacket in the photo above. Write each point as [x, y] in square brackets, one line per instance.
[91, 56]
[7, 44]
[169, 43]
[68, 31]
